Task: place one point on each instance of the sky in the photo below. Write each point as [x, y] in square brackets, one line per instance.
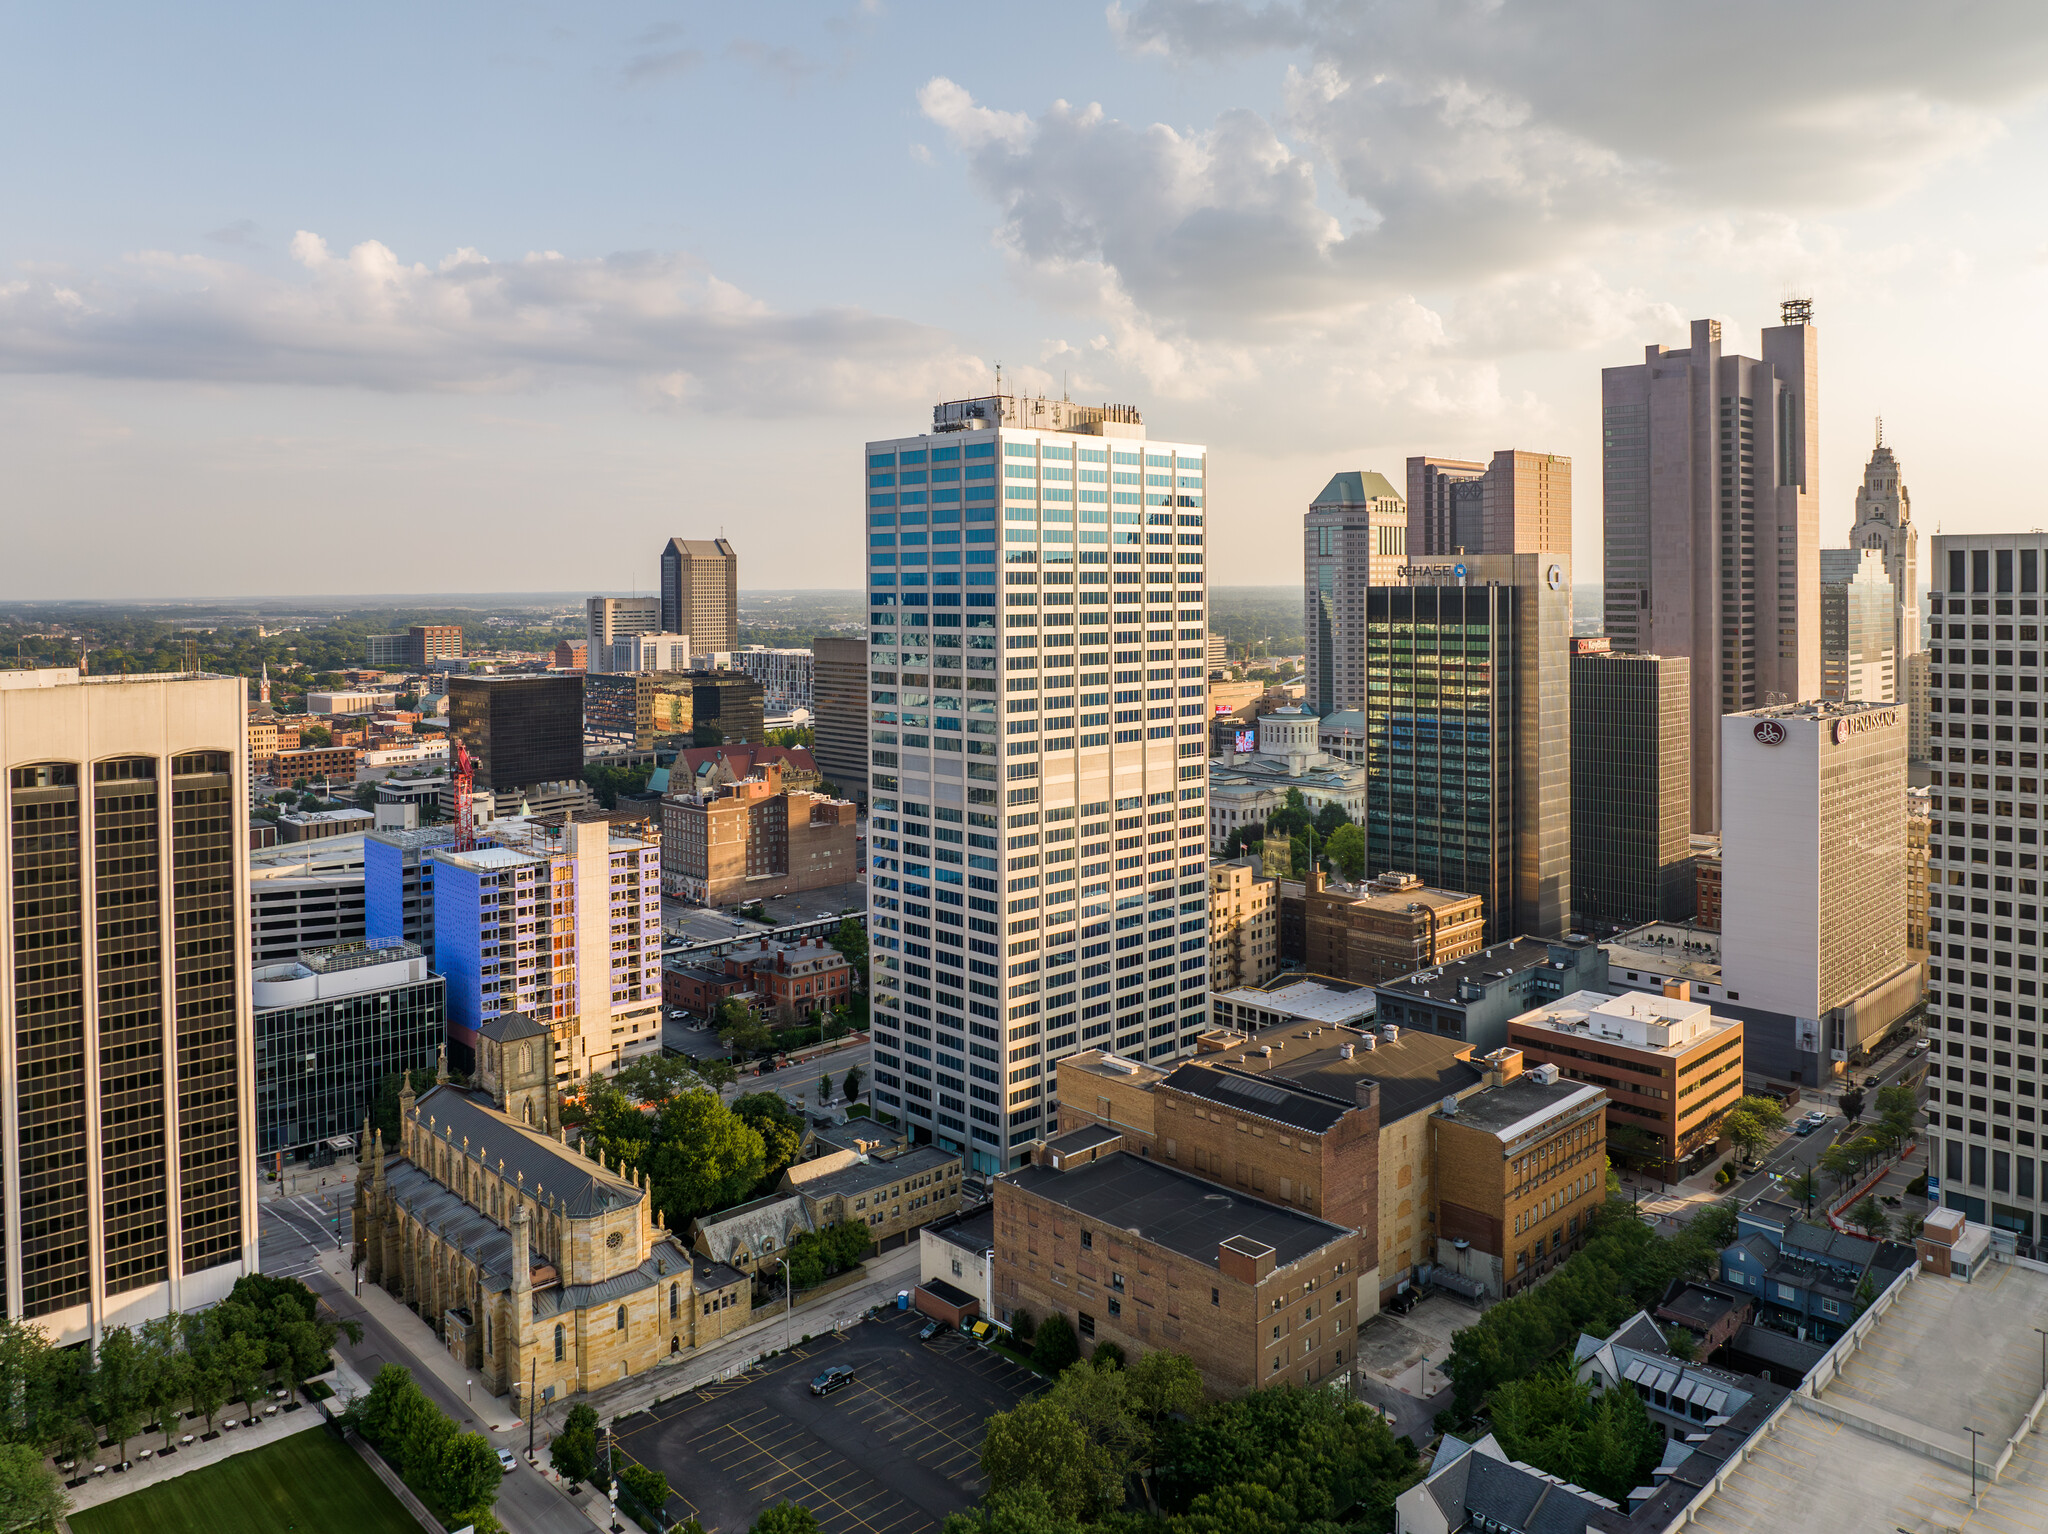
[474, 297]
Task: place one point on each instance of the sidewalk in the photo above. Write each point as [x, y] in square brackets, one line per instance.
[886, 1275]
[196, 1455]
[418, 1339]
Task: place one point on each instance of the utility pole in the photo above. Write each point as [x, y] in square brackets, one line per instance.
[532, 1379]
[1975, 1434]
[788, 1303]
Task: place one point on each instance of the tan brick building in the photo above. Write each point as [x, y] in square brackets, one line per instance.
[1244, 925]
[1140, 1254]
[1314, 1150]
[1670, 1067]
[754, 840]
[539, 1269]
[263, 744]
[1520, 1168]
[894, 1194]
[1389, 927]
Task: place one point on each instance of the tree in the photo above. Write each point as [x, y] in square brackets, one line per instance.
[696, 1152]
[1040, 1443]
[1162, 1384]
[1749, 1135]
[1806, 1188]
[30, 1497]
[705, 733]
[1107, 1355]
[852, 940]
[1329, 818]
[740, 1029]
[1868, 1215]
[316, 735]
[242, 1359]
[1020, 1510]
[649, 1485]
[780, 1127]
[1852, 1103]
[467, 1475]
[118, 1385]
[786, 1517]
[1055, 1345]
[1346, 848]
[573, 1451]
[850, 1087]
[1023, 1325]
[366, 796]
[824, 1088]
[1840, 1163]
[165, 1372]
[657, 1078]
[1683, 1343]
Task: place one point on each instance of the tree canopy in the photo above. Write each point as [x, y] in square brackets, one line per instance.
[698, 1154]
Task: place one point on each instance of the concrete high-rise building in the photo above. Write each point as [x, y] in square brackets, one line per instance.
[1631, 787]
[1516, 503]
[1859, 624]
[1038, 825]
[1354, 536]
[1468, 750]
[128, 1139]
[1813, 881]
[1884, 521]
[1984, 878]
[646, 652]
[1711, 522]
[610, 619]
[700, 592]
[839, 714]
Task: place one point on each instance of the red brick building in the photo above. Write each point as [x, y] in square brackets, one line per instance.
[786, 981]
[754, 839]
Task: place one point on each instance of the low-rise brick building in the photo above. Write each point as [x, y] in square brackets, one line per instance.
[332, 764]
[754, 840]
[1146, 1256]
[1520, 1169]
[699, 988]
[1392, 926]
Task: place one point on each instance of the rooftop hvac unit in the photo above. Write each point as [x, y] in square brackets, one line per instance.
[1389, 1032]
[1547, 1074]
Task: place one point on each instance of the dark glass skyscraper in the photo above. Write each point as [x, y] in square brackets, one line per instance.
[1631, 787]
[522, 730]
[1467, 719]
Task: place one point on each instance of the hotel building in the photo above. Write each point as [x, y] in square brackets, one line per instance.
[1038, 820]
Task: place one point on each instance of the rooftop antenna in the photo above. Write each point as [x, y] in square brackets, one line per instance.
[1796, 311]
[999, 378]
[1880, 431]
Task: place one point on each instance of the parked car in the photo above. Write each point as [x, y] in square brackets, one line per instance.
[1804, 1128]
[1918, 1048]
[506, 1461]
[831, 1380]
[933, 1329]
[1405, 1301]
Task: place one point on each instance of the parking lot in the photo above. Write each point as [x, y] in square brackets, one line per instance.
[892, 1453]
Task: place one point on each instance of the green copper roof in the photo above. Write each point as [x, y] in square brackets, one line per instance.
[1356, 487]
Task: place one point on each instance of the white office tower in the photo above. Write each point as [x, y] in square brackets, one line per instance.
[1987, 1097]
[1813, 884]
[1038, 872]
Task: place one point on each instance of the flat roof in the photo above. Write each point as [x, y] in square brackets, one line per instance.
[1487, 968]
[1285, 1103]
[1097, 1062]
[1395, 899]
[1182, 1213]
[1517, 1106]
[1638, 1020]
[1415, 1072]
[973, 1230]
[1084, 1138]
[1313, 1000]
[1883, 1445]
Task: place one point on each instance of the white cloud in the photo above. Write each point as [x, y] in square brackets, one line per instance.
[657, 321]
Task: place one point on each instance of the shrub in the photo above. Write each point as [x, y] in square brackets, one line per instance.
[649, 1487]
[1917, 1188]
[573, 1451]
[1055, 1346]
[1022, 1326]
[1107, 1355]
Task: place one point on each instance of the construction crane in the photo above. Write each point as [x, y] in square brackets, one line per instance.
[465, 815]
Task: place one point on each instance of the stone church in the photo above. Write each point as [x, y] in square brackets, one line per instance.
[540, 1269]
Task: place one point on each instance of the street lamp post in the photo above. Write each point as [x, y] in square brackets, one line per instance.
[2043, 1335]
[533, 1379]
[788, 1303]
[1975, 1434]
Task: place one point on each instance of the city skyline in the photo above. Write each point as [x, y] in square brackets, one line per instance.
[204, 340]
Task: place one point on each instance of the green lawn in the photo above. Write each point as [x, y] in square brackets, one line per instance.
[307, 1481]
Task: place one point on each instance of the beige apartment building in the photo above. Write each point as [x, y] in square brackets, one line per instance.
[1244, 925]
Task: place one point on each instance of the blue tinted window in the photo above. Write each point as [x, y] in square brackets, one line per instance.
[910, 458]
[882, 540]
[1020, 450]
[1129, 458]
[1152, 460]
[1094, 455]
[981, 450]
[945, 476]
[945, 454]
[1063, 454]
[883, 519]
[881, 460]
[879, 481]
[914, 479]
[913, 519]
